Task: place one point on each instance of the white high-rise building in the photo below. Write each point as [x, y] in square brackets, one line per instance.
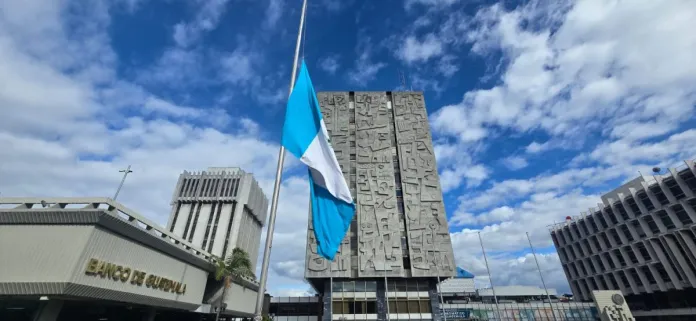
[218, 210]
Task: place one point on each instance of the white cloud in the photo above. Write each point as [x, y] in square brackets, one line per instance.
[412, 50]
[329, 64]
[515, 162]
[273, 12]
[68, 124]
[585, 76]
[206, 19]
[364, 69]
[408, 4]
[535, 147]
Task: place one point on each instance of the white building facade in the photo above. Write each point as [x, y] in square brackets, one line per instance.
[218, 210]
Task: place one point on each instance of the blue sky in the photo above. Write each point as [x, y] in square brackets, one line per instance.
[536, 107]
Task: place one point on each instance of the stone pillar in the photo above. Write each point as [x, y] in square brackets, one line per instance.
[326, 297]
[434, 301]
[381, 301]
[48, 310]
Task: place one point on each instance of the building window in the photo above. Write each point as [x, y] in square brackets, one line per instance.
[352, 156]
[662, 272]
[659, 194]
[671, 183]
[662, 215]
[634, 207]
[689, 179]
[651, 223]
[648, 274]
[599, 262]
[583, 224]
[610, 261]
[613, 285]
[643, 251]
[638, 228]
[615, 235]
[596, 243]
[624, 279]
[681, 214]
[352, 143]
[622, 210]
[600, 218]
[634, 275]
[619, 257]
[626, 232]
[645, 200]
[612, 216]
[631, 255]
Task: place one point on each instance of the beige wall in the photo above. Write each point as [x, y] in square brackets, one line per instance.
[241, 299]
[35, 254]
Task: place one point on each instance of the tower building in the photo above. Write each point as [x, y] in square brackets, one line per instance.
[399, 234]
[218, 210]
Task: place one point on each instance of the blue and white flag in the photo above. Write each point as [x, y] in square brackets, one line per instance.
[306, 137]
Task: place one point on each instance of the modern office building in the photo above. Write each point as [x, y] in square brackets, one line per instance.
[641, 240]
[94, 259]
[218, 210]
[383, 143]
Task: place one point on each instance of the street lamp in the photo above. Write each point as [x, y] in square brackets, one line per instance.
[125, 173]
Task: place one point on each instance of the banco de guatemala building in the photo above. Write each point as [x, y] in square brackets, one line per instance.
[399, 235]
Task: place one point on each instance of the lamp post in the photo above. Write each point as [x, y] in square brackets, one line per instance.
[125, 173]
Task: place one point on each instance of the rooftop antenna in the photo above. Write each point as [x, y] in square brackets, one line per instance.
[402, 80]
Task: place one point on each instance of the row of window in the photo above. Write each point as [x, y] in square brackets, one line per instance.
[598, 220]
[394, 285]
[624, 233]
[639, 275]
[212, 186]
[620, 257]
[350, 306]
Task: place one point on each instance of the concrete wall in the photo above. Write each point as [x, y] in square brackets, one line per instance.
[51, 260]
[240, 299]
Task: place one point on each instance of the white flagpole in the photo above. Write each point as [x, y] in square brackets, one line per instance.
[439, 290]
[495, 298]
[276, 185]
[541, 276]
[386, 287]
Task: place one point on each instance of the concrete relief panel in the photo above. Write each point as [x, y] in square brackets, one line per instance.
[430, 247]
[379, 242]
[336, 113]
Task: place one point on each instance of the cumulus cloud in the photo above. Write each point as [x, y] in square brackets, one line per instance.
[515, 162]
[413, 50]
[329, 64]
[69, 124]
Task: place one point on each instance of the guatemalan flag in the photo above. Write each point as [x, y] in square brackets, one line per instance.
[305, 136]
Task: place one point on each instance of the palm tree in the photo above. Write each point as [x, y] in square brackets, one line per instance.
[235, 265]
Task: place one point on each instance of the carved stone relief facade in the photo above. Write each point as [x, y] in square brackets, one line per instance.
[362, 128]
[430, 247]
[379, 247]
[336, 113]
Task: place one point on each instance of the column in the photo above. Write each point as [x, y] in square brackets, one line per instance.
[327, 297]
[381, 301]
[434, 301]
[48, 310]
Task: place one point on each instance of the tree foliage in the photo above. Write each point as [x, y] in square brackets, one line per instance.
[236, 264]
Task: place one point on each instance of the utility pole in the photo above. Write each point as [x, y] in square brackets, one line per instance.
[125, 173]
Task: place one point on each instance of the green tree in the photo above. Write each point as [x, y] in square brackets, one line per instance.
[237, 265]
